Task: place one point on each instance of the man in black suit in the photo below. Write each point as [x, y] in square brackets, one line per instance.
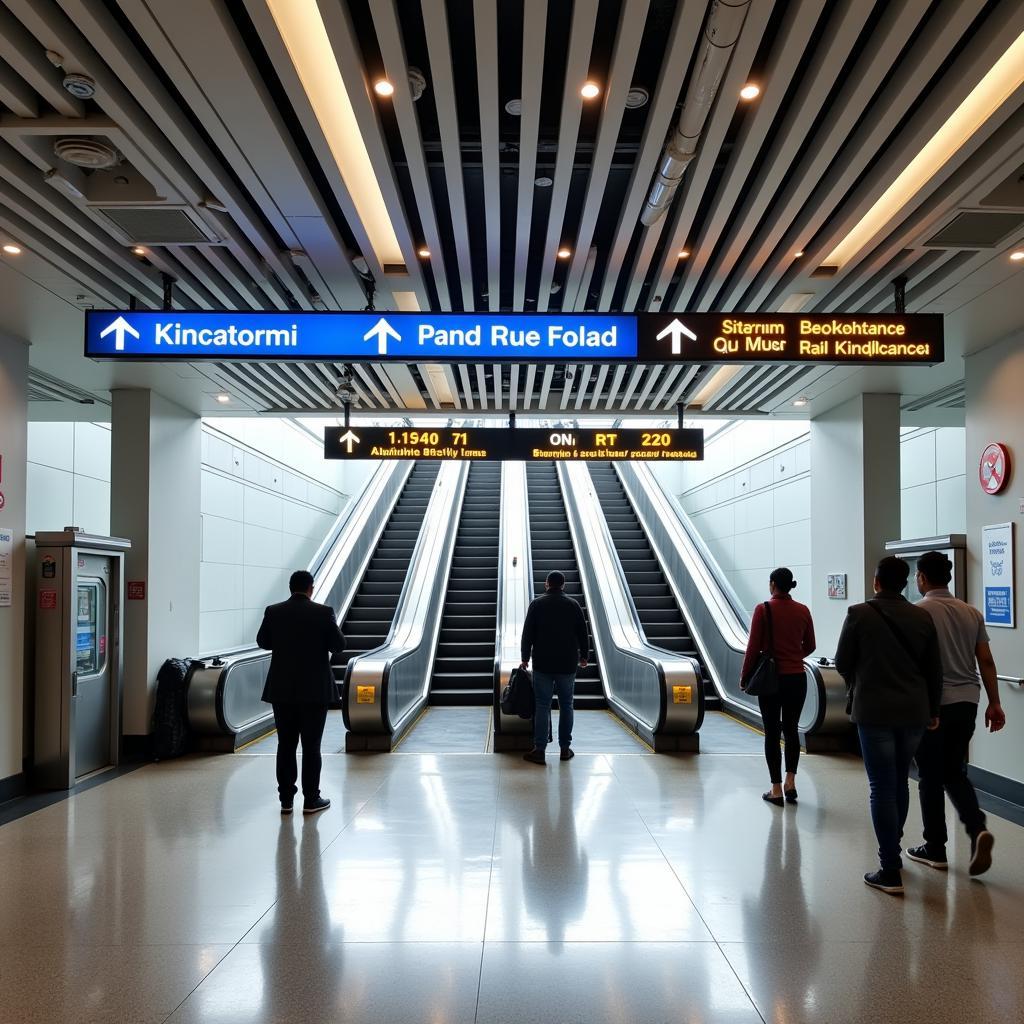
[302, 636]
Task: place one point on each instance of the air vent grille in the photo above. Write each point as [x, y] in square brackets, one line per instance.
[44, 388]
[155, 225]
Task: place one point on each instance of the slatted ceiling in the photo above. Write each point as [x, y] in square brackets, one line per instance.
[602, 376]
[528, 390]
[467, 391]
[620, 372]
[325, 392]
[681, 387]
[585, 373]
[545, 387]
[372, 385]
[513, 387]
[653, 377]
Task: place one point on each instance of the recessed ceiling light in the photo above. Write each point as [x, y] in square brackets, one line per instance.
[637, 97]
[12, 249]
[800, 402]
[684, 254]
[424, 254]
[383, 87]
[543, 181]
[590, 90]
[564, 254]
[798, 254]
[514, 107]
[223, 398]
[138, 250]
[1015, 256]
[750, 91]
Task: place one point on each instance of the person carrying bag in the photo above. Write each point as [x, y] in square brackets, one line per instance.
[781, 636]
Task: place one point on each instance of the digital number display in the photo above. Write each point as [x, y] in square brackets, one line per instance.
[504, 444]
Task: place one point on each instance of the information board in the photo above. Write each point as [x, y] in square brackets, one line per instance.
[514, 445]
[373, 337]
[997, 568]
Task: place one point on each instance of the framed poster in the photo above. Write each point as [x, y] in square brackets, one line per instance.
[997, 569]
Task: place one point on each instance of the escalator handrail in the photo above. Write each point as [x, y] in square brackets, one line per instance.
[672, 535]
[407, 654]
[515, 585]
[614, 621]
[358, 526]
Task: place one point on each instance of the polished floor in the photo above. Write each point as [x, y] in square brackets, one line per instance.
[476, 888]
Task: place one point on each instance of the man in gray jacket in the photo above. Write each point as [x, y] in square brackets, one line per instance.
[889, 656]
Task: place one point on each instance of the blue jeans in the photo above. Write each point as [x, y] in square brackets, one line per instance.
[545, 685]
[887, 755]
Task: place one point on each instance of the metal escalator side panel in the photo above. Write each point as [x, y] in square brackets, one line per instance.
[395, 677]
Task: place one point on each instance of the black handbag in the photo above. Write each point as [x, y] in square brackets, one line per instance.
[764, 680]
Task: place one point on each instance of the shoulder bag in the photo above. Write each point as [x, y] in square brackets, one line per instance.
[764, 680]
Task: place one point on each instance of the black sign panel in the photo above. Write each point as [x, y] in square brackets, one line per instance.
[790, 338]
[505, 444]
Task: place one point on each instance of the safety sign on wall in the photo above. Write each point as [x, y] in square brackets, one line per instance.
[997, 571]
[6, 567]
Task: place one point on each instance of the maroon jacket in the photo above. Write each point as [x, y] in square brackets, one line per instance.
[792, 633]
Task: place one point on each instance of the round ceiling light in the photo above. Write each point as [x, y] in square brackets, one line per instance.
[750, 91]
[80, 86]
[564, 254]
[12, 250]
[382, 87]
[590, 90]
[1017, 256]
[637, 97]
[684, 254]
[223, 398]
[798, 254]
[800, 402]
[543, 181]
[514, 107]
[138, 250]
[424, 254]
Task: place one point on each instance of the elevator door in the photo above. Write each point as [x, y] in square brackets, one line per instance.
[93, 690]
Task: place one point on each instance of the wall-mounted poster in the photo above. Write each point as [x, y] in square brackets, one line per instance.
[997, 574]
[837, 586]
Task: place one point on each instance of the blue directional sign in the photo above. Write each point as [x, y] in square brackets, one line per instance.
[371, 337]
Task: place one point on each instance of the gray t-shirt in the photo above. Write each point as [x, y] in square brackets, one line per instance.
[961, 628]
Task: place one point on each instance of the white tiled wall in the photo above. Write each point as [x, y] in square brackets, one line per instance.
[68, 477]
[933, 499]
[751, 497]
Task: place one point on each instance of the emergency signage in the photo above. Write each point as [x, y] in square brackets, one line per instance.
[505, 444]
[372, 337]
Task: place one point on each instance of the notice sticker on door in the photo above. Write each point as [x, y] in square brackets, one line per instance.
[48, 599]
[136, 590]
[682, 694]
[48, 567]
[366, 694]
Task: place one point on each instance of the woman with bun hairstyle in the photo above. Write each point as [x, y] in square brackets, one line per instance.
[792, 640]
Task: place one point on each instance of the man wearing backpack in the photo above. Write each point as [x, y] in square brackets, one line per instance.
[889, 655]
[555, 636]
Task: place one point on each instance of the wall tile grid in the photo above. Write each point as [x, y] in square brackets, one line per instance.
[751, 497]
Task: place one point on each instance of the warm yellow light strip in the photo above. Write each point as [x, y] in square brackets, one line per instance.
[305, 37]
[1005, 77]
[715, 383]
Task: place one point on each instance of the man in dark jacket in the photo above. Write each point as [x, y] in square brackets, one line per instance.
[302, 636]
[889, 656]
[555, 636]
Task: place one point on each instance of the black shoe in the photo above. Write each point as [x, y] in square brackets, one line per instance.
[321, 803]
[981, 853]
[886, 881]
[535, 756]
[790, 795]
[925, 854]
[776, 800]
[286, 806]
[567, 754]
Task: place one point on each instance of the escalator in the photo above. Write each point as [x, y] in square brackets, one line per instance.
[464, 665]
[660, 616]
[368, 622]
[552, 548]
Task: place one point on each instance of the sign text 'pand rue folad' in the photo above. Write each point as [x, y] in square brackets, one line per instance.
[521, 444]
[374, 337]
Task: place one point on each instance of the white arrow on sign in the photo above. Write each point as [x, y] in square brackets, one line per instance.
[382, 330]
[350, 438]
[676, 330]
[120, 327]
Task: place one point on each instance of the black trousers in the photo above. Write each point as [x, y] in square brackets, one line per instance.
[942, 768]
[780, 714]
[295, 722]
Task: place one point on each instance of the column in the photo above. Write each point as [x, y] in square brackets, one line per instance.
[855, 503]
[156, 452]
[13, 462]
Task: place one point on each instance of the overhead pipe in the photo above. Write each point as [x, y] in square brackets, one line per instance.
[720, 35]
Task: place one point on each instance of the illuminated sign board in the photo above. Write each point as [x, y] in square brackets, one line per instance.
[521, 337]
[507, 445]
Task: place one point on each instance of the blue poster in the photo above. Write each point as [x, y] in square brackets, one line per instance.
[997, 569]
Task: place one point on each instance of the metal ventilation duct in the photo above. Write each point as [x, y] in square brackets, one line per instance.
[720, 34]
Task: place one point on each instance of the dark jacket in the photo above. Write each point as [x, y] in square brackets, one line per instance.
[892, 686]
[792, 636]
[302, 636]
[555, 633]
